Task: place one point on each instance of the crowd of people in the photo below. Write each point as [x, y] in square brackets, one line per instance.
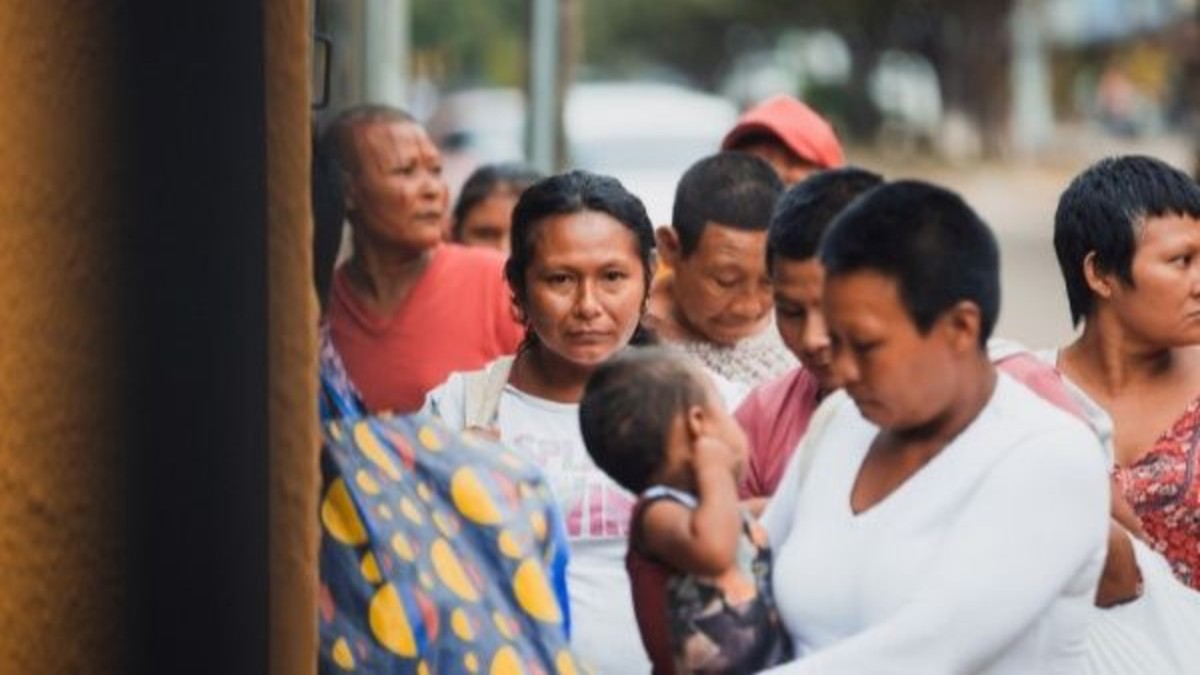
[775, 434]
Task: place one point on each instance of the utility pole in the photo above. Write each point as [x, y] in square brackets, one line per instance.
[387, 42]
[545, 99]
[372, 41]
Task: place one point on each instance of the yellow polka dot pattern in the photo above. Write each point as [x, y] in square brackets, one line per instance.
[509, 545]
[450, 570]
[460, 623]
[411, 511]
[446, 524]
[533, 592]
[366, 483]
[506, 662]
[370, 446]
[448, 544]
[370, 569]
[335, 431]
[403, 548]
[390, 623]
[471, 499]
[504, 625]
[565, 663]
[339, 516]
[342, 655]
[424, 492]
[429, 439]
[537, 521]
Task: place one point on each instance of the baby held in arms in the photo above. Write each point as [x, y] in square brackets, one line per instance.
[700, 568]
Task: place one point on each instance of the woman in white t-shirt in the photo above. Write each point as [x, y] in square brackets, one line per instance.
[938, 517]
[582, 260]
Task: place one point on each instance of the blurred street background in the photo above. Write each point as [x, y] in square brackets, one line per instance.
[1002, 100]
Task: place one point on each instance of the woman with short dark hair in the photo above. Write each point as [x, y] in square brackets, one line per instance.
[938, 516]
[1127, 235]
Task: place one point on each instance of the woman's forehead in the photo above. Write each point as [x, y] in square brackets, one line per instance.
[864, 296]
[1168, 229]
[593, 232]
[386, 142]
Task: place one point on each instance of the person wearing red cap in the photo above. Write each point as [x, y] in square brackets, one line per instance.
[789, 135]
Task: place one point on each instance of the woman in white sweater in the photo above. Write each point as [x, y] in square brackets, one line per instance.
[949, 521]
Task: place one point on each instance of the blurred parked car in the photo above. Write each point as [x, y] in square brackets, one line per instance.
[646, 134]
[478, 126]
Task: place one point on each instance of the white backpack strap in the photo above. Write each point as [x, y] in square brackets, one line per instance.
[482, 390]
[474, 383]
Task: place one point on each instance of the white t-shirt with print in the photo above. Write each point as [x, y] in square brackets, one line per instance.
[596, 510]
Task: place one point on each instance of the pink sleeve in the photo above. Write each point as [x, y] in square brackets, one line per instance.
[749, 415]
[1044, 380]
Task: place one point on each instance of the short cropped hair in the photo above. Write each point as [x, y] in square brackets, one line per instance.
[338, 139]
[628, 407]
[927, 239]
[732, 189]
[1103, 210]
[806, 209]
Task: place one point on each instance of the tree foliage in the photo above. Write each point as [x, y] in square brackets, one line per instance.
[966, 42]
[469, 42]
[699, 40]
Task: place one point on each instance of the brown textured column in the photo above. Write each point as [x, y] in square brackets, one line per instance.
[61, 543]
[293, 318]
[158, 450]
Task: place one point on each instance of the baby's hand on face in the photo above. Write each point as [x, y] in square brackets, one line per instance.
[709, 452]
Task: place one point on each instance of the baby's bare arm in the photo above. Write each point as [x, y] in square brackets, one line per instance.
[702, 540]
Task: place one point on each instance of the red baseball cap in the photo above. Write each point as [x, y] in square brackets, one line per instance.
[798, 126]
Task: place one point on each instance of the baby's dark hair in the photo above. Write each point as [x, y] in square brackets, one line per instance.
[628, 407]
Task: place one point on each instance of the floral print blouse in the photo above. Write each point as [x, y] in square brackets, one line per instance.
[1162, 488]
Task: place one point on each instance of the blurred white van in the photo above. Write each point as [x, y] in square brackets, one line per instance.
[646, 134]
